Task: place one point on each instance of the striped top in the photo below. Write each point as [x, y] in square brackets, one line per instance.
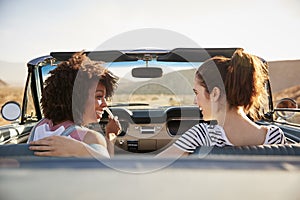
[207, 135]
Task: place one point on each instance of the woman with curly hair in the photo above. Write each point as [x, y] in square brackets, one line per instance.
[74, 96]
[229, 91]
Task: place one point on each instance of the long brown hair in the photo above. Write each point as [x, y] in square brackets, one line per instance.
[242, 78]
[245, 81]
[212, 73]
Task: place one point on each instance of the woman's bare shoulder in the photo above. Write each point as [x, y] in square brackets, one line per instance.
[93, 137]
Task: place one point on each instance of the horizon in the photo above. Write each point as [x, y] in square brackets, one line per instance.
[20, 83]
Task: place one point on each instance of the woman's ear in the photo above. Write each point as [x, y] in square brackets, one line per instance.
[215, 94]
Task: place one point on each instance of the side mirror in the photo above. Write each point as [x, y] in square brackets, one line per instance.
[11, 111]
[284, 108]
[147, 72]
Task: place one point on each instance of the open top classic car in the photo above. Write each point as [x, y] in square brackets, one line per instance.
[154, 103]
[154, 100]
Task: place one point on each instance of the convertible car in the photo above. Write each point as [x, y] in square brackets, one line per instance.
[154, 103]
[154, 100]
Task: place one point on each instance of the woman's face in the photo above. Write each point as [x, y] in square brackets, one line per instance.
[95, 104]
[202, 99]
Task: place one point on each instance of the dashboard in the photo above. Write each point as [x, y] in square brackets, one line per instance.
[151, 130]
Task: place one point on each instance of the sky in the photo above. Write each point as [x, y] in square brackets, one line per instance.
[32, 28]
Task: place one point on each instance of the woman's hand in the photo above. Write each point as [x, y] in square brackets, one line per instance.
[113, 129]
[62, 146]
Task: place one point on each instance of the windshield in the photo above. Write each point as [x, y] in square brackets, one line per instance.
[173, 88]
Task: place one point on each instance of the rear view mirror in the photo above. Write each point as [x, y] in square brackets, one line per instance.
[284, 108]
[146, 72]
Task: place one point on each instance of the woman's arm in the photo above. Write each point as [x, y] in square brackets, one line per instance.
[62, 146]
[112, 129]
[92, 145]
[172, 152]
[188, 142]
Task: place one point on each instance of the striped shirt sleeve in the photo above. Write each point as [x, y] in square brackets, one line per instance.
[193, 138]
[275, 136]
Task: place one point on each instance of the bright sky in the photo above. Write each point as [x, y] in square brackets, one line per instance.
[32, 28]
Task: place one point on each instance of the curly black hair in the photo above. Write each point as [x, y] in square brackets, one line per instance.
[66, 89]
